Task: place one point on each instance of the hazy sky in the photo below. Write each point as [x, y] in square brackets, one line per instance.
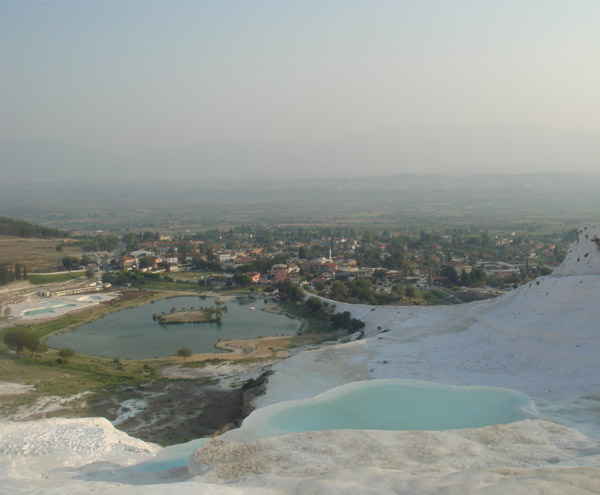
[202, 89]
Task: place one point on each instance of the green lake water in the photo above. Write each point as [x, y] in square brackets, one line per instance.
[133, 334]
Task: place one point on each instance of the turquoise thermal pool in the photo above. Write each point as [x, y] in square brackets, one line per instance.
[391, 404]
[47, 307]
[387, 404]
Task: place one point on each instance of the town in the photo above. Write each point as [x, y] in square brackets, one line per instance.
[343, 264]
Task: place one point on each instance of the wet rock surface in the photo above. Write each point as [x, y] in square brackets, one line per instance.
[171, 412]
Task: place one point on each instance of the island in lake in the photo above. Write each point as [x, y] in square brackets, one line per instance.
[202, 315]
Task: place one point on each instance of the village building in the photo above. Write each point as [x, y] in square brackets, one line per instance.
[127, 262]
[280, 272]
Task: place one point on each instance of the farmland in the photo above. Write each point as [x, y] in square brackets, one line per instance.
[38, 255]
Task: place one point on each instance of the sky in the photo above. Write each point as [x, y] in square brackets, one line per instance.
[202, 90]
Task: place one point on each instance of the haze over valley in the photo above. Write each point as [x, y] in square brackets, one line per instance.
[299, 247]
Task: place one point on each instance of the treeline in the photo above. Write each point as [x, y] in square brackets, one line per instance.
[98, 242]
[338, 321]
[8, 273]
[135, 278]
[314, 305]
[19, 228]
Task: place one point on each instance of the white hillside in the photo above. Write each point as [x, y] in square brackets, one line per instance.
[583, 258]
[542, 339]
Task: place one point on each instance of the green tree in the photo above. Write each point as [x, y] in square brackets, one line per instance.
[314, 304]
[20, 339]
[339, 291]
[70, 262]
[478, 276]
[292, 290]
[450, 273]
[302, 253]
[85, 260]
[20, 272]
[319, 285]
[398, 290]
[65, 354]
[184, 352]
[410, 291]
[146, 262]
[345, 321]
[7, 274]
[241, 279]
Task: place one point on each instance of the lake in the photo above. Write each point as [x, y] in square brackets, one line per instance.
[133, 334]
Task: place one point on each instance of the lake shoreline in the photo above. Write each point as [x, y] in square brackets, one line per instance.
[146, 332]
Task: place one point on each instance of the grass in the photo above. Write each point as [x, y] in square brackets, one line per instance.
[192, 276]
[53, 278]
[165, 285]
[36, 254]
[82, 373]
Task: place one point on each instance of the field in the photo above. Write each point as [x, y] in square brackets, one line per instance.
[544, 202]
[38, 255]
[53, 278]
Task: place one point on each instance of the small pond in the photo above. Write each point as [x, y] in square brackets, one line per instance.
[393, 404]
[134, 334]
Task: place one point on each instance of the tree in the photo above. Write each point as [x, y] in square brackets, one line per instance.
[65, 354]
[314, 304]
[7, 274]
[208, 264]
[410, 291]
[450, 273]
[146, 262]
[20, 339]
[184, 352]
[339, 292]
[19, 271]
[478, 276]
[89, 272]
[302, 253]
[85, 260]
[293, 291]
[70, 262]
[428, 296]
[319, 285]
[398, 289]
[241, 279]
[345, 321]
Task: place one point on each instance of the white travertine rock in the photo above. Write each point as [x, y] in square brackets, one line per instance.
[583, 257]
[524, 444]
